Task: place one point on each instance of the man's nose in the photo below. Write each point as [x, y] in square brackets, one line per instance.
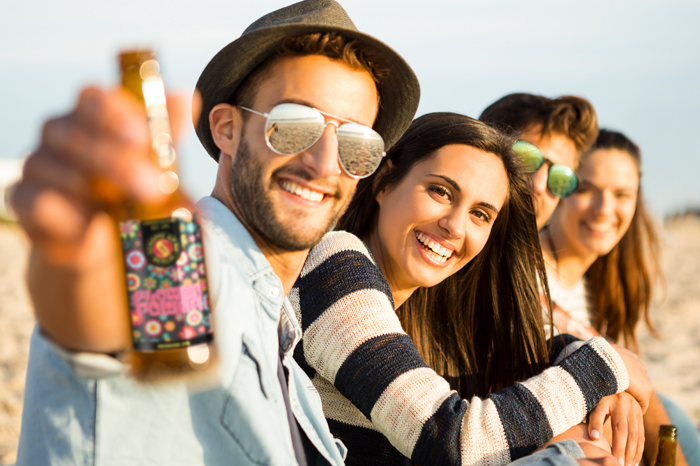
[322, 158]
[539, 180]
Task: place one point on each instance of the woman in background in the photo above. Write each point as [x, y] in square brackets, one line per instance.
[450, 241]
[601, 250]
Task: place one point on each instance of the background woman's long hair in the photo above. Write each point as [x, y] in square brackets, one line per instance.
[622, 280]
[481, 328]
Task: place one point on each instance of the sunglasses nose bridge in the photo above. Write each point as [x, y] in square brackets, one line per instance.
[540, 178]
[322, 157]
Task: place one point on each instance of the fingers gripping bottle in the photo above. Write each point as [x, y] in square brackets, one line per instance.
[666, 445]
[163, 259]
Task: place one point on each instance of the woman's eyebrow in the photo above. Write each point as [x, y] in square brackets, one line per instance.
[449, 180]
[616, 188]
[489, 206]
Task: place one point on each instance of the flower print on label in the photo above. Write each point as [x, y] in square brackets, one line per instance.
[128, 229]
[183, 260]
[194, 318]
[195, 251]
[187, 333]
[132, 281]
[153, 328]
[135, 260]
[166, 280]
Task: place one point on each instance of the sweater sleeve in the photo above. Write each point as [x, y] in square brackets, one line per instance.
[353, 339]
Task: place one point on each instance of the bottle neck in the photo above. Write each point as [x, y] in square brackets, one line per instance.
[667, 445]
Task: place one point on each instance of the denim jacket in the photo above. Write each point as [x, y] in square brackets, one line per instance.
[81, 409]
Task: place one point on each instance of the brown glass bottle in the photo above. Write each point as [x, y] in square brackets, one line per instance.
[164, 270]
[666, 446]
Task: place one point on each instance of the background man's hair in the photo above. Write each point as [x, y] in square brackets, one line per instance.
[571, 116]
[351, 52]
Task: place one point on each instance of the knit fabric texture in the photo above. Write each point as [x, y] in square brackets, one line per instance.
[388, 407]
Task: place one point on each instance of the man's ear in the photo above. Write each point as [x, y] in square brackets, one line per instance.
[383, 170]
[225, 122]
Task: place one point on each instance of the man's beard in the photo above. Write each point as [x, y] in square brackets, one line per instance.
[252, 199]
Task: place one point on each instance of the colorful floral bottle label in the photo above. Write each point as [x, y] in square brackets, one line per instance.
[166, 283]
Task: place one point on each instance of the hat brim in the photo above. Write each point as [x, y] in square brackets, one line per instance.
[399, 91]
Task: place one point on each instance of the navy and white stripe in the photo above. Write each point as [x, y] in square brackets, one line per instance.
[387, 405]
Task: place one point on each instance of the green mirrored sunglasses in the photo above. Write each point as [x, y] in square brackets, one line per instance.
[561, 180]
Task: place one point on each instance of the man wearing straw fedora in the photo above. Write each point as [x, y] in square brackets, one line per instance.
[277, 192]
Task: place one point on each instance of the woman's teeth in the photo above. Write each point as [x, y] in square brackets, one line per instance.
[439, 253]
[304, 193]
[599, 227]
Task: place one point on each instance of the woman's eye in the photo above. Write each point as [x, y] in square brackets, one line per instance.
[481, 215]
[441, 192]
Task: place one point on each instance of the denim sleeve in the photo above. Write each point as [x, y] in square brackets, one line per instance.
[562, 453]
[58, 419]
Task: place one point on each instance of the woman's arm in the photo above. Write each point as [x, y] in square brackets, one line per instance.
[354, 340]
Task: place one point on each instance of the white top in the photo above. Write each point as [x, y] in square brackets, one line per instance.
[576, 302]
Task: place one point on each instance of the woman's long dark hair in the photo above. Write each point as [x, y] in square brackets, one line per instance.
[485, 320]
[623, 279]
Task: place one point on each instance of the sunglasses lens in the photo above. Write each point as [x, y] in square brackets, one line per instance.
[361, 149]
[530, 155]
[562, 181]
[292, 128]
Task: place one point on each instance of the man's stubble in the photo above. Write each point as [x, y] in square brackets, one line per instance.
[251, 194]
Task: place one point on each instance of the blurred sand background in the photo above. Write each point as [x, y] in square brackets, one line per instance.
[673, 361]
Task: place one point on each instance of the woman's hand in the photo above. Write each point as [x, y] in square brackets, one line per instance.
[640, 386]
[627, 426]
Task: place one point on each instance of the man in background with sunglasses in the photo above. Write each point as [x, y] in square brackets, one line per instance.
[295, 111]
[553, 134]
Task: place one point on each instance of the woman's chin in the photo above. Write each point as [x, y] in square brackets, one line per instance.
[599, 246]
[429, 276]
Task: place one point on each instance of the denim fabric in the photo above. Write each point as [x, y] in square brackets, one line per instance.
[79, 409]
[687, 432]
[562, 453]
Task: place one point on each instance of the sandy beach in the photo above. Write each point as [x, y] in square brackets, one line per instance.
[673, 361]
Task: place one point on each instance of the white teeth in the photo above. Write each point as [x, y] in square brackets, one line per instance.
[600, 227]
[441, 253]
[304, 193]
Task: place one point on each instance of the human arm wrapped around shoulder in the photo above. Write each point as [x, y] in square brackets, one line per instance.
[354, 340]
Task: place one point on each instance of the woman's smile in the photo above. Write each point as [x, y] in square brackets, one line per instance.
[433, 249]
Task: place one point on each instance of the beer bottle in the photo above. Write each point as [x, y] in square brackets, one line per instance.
[666, 445]
[163, 260]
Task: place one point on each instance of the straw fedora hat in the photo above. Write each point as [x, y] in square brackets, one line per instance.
[399, 90]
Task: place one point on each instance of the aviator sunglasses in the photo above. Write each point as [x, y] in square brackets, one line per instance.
[293, 128]
[561, 180]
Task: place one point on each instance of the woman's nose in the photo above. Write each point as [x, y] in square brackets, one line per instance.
[454, 223]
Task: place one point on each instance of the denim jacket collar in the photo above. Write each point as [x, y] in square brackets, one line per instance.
[247, 256]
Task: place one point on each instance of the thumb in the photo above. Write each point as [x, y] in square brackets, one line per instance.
[596, 420]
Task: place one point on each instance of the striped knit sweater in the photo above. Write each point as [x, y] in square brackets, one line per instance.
[383, 401]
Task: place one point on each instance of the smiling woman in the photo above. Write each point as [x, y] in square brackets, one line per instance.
[601, 249]
[449, 218]
[604, 233]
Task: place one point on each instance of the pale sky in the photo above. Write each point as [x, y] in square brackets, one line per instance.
[638, 62]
